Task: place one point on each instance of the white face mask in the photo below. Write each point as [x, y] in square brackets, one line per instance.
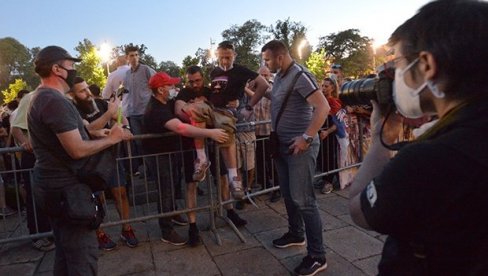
[172, 93]
[407, 99]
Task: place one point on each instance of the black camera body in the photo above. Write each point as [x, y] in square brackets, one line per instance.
[362, 91]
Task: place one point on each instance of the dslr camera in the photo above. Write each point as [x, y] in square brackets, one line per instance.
[378, 88]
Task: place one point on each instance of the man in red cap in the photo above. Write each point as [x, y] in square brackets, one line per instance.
[159, 118]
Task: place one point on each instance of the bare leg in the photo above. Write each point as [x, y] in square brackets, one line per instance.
[191, 200]
[122, 204]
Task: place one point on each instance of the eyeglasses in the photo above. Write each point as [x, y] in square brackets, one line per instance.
[336, 66]
[194, 81]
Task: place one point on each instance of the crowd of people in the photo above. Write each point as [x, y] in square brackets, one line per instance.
[65, 121]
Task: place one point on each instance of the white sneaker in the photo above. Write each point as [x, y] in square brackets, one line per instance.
[236, 188]
[200, 170]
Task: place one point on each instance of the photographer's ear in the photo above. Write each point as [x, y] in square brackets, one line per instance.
[427, 65]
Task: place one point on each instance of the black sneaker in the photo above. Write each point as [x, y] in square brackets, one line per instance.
[275, 196]
[173, 238]
[288, 240]
[240, 205]
[236, 220]
[311, 266]
[194, 238]
[179, 220]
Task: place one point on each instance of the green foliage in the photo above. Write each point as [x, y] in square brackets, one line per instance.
[170, 67]
[90, 68]
[292, 34]
[316, 64]
[246, 39]
[15, 62]
[10, 93]
[350, 49]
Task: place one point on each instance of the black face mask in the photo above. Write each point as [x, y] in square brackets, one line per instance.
[70, 79]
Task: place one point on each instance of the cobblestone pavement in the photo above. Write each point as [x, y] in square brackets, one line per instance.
[350, 249]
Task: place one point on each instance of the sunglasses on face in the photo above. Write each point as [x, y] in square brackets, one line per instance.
[336, 66]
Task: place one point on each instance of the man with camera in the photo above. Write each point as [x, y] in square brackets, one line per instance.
[431, 198]
[61, 146]
[303, 111]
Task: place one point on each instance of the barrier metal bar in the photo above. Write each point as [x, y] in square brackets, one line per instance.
[214, 206]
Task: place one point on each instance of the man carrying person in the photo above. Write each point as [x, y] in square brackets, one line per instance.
[61, 145]
[188, 98]
[101, 114]
[159, 118]
[303, 115]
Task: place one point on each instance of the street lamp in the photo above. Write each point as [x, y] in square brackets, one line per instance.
[105, 51]
[300, 47]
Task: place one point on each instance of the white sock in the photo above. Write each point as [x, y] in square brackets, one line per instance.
[232, 173]
[201, 155]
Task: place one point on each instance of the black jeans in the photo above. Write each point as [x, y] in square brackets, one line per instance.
[35, 215]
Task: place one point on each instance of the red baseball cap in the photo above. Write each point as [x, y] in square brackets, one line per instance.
[162, 79]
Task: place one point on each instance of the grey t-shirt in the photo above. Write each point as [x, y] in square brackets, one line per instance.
[51, 113]
[297, 113]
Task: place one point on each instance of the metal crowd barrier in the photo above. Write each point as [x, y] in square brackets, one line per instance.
[13, 228]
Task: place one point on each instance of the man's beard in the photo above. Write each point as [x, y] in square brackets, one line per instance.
[86, 106]
[198, 91]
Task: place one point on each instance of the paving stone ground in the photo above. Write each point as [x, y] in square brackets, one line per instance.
[350, 249]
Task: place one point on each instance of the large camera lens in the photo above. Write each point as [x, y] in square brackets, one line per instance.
[362, 91]
[359, 92]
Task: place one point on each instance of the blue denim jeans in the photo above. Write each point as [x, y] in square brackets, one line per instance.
[295, 175]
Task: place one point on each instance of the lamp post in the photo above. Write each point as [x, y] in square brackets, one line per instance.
[300, 47]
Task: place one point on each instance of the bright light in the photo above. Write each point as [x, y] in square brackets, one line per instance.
[302, 45]
[105, 52]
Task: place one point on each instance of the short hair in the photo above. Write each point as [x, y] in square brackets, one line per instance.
[131, 48]
[194, 69]
[94, 89]
[276, 47]
[22, 93]
[78, 80]
[456, 33]
[226, 44]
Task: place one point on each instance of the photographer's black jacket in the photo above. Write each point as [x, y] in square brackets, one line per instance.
[432, 201]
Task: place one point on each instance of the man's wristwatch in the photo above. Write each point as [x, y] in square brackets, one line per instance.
[126, 127]
[307, 138]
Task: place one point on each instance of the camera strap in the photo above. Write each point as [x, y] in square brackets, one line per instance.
[288, 93]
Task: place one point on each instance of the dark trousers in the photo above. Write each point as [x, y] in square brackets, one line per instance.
[264, 163]
[162, 168]
[37, 220]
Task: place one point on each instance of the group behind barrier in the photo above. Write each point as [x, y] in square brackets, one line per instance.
[144, 190]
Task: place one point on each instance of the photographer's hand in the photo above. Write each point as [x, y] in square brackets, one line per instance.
[392, 128]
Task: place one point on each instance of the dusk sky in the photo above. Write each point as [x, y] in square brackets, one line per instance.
[172, 30]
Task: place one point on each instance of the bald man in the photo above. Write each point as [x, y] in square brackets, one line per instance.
[116, 78]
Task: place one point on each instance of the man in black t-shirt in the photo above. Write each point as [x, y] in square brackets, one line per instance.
[100, 115]
[61, 146]
[159, 118]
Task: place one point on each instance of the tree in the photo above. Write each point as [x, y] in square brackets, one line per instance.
[350, 49]
[293, 34]
[170, 67]
[15, 62]
[316, 64]
[246, 39]
[90, 68]
[10, 93]
[144, 57]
